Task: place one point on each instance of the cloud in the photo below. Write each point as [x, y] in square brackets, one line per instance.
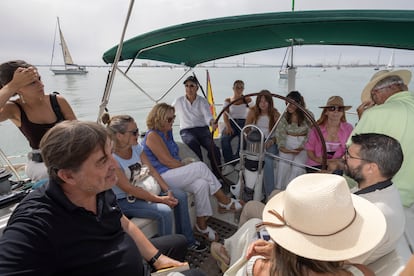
[93, 26]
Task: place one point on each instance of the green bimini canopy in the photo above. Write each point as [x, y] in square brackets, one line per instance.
[201, 41]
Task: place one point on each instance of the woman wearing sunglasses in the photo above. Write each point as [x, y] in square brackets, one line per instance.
[159, 204]
[195, 177]
[335, 131]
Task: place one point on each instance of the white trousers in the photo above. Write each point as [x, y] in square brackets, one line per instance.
[287, 171]
[195, 178]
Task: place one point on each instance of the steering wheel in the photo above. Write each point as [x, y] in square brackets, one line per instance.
[290, 101]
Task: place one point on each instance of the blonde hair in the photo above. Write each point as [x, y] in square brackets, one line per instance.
[158, 114]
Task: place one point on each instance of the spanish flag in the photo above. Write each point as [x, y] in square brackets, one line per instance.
[210, 99]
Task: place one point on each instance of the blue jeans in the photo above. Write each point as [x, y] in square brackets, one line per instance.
[201, 136]
[226, 140]
[182, 216]
[268, 171]
[163, 214]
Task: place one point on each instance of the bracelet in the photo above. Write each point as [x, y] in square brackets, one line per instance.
[152, 261]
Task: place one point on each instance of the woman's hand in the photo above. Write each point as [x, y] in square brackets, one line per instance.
[262, 248]
[228, 130]
[23, 77]
[169, 199]
[269, 143]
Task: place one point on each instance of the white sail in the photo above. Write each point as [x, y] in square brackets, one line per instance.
[65, 51]
[70, 67]
[378, 60]
[391, 63]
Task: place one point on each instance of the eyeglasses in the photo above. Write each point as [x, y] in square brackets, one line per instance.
[336, 108]
[134, 131]
[190, 85]
[348, 155]
[170, 119]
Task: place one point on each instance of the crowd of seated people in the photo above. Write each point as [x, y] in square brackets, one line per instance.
[373, 161]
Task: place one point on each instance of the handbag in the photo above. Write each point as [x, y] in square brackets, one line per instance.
[140, 177]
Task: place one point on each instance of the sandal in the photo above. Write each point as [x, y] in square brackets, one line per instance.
[233, 206]
[207, 233]
[218, 252]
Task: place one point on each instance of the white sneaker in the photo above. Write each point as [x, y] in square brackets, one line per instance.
[227, 169]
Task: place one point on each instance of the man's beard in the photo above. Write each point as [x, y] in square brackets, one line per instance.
[355, 173]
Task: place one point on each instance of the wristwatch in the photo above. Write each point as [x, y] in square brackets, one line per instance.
[152, 261]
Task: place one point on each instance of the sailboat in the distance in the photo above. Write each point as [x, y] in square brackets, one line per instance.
[391, 63]
[70, 67]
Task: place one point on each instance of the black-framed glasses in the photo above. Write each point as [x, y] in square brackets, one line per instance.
[336, 108]
[134, 132]
[170, 119]
[349, 156]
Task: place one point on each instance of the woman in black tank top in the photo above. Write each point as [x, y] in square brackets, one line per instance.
[33, 112]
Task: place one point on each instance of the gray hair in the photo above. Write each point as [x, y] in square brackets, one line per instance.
[388, 81]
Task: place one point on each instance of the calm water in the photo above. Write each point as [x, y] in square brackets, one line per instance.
[84, 93]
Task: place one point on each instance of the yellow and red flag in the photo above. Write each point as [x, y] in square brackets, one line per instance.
[210, 99]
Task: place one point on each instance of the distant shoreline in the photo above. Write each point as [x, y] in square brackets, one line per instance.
[234, 66]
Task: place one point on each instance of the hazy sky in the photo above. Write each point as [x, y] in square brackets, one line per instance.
[93, 26]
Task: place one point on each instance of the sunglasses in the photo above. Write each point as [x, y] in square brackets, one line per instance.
[336, 108]
[170, 119]
[134, 131]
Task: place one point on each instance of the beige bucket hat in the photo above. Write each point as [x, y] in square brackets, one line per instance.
[320, 219]
[405, 75]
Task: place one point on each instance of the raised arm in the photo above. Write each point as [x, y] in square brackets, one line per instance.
[21, 78]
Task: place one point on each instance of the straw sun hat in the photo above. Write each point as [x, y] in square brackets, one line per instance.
[324, 221]
[336, 101]
[405, 75]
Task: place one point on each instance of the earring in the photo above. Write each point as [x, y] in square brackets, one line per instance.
[22, 99]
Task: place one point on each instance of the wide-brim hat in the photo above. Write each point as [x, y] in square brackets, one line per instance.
[405, 75]
[324, 221]
[336, 101]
